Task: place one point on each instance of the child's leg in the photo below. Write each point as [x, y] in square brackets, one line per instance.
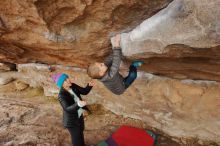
[131, 76]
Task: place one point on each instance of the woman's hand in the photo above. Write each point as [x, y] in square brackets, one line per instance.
[81, 103]
[92, 83]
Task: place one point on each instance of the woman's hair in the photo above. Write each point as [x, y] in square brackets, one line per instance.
[93, 71]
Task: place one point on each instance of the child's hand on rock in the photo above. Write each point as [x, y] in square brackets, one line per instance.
[116, 41]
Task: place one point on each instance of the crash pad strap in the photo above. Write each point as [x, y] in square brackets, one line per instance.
[103, 143]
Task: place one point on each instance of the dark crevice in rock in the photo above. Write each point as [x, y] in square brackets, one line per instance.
[184, 62]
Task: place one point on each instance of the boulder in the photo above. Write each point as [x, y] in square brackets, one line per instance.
[5, 80]
[21, 85]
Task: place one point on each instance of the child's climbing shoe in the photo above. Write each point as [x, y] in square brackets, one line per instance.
[137, 63]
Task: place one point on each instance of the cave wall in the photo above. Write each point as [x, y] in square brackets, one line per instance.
[71, 32]
[180, 108]
[77, 32]
[180, 41]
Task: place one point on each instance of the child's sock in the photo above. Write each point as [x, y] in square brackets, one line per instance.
[137, 63]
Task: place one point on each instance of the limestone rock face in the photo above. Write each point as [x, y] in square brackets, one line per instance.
[181, 41]
[5, 80]
[24, 123]
[7, 67]
[191, 22]
[180, 108]
[20, 85]
[73, 32]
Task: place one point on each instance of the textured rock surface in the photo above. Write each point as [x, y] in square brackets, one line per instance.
[194, 23]
[180, 108]
[5, 80]
[28, 119]
[7, 67]
[19, 85]
[191, 22]
[77, 33]
[74, 32]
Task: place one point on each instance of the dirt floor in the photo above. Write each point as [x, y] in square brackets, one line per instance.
[28, 118]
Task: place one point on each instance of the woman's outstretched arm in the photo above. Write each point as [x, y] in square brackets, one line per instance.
[84, 90]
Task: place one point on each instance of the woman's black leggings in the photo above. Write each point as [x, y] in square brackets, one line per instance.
[77, 136]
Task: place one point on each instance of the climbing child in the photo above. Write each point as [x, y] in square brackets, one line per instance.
[108, 72]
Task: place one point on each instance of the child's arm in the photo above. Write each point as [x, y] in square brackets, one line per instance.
[116, 56]
[115, 44]
[116, 61]
[108, 60]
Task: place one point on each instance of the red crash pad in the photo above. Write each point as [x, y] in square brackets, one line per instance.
[130, 136]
